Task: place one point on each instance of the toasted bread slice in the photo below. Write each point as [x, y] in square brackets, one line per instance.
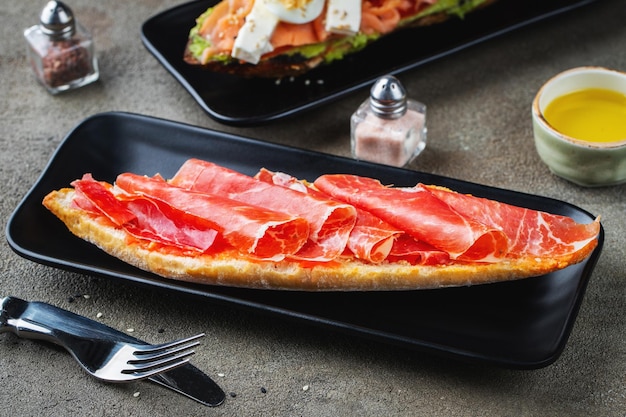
[297, 60]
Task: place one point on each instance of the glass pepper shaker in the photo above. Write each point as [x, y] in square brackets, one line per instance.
[388, 127]
[60, 50]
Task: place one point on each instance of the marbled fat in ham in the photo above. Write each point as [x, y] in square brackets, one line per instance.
[420, 214]
[530, 232]
[372, 239]
[144, 218]
[330, 222]
[254, 230]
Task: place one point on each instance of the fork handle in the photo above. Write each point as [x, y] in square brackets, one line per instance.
[36, 320]
[12, 320]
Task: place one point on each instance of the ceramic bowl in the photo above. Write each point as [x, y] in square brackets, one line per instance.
[589, 164]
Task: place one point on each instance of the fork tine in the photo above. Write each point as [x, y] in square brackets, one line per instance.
[134, 366]
[146, 373]
[150, 349]
[154, 357]
[149, 360]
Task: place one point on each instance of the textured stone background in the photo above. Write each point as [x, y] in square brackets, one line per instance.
[479, 130]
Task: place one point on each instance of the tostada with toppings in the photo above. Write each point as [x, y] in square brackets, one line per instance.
[276, 38]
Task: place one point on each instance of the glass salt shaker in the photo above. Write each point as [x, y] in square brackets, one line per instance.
[388, 127]
[60, 50]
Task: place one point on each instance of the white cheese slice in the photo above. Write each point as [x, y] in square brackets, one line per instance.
[343, 16]
[297, 12]
[253, 39]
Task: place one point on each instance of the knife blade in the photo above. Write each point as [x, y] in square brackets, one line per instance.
[186, 380]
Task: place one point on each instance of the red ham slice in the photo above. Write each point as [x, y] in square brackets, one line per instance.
[143, 218]
[530, 232]
[254, 230]
[420, 214]
[407, 248]
[371, 239]
[330, 221]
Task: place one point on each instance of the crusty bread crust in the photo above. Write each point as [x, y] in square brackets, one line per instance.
[276, 67]
[349, 275]
[286, 65]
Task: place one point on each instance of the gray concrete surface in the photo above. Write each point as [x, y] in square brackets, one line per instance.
[479, 130]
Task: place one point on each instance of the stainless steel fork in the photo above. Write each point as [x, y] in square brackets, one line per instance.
[95, 351]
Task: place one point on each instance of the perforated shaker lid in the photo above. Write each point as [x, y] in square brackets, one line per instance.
[57, 20]
[388, 97]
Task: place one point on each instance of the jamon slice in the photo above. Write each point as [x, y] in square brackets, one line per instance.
[144, 218]
[371, 239]
[407, 248]
[254, 230]
[420, 214]
[330, 221]
[530, 232]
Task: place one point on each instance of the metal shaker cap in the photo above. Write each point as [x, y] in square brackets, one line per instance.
[57, 20]
[388, 98]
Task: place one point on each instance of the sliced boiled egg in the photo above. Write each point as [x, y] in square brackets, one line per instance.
[295, 11]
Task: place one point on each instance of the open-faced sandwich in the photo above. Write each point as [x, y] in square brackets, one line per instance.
[275, 38]
[212, 225]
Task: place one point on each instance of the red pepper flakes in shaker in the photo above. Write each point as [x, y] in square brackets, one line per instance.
[388, 128]
[60, 50]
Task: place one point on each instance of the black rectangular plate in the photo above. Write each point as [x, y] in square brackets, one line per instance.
[238, 101]
[520, 324]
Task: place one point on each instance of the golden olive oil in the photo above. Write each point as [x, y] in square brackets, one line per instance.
[593, 115]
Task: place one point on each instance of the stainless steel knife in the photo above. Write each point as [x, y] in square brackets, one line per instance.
[186, 380]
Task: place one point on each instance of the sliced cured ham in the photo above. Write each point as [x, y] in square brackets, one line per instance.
[254, 230]
[372, 239]
[330, 222]
[400, 239]
[420, 214]
[407, 248]
[530, 232]
[145, 219]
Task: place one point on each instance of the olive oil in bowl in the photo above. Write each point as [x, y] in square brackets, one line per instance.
[579, 125]
[593, 115]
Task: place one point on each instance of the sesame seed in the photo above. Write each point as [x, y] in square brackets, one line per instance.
[99, 315]
[305, 388]
[136, 394]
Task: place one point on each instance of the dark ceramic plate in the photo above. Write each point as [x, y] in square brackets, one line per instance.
[521, 324]
[237, 101]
